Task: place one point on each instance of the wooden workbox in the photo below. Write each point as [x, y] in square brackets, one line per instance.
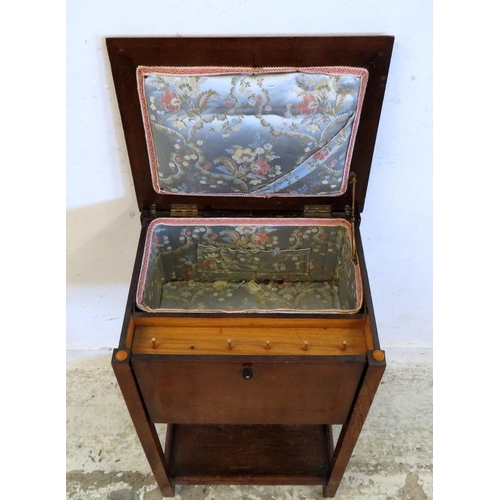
[249, 327]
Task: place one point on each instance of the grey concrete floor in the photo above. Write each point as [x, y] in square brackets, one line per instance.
[392, 459]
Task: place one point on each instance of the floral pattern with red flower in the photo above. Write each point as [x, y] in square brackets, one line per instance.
[260, 238]
[308, 105]
[320, 155]
[171, 101]
[209, 265]
[260, 167]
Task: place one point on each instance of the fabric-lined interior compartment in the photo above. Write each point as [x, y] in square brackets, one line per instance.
[251, 131]
[249, 265]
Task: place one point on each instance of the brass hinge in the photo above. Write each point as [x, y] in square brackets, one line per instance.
[182, 210]
[318, 211]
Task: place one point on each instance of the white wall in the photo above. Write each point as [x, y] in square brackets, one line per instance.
[102, 218]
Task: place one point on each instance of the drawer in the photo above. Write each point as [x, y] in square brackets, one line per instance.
[229, 389]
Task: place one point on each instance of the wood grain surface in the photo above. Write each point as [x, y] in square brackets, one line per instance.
[281, 389]
[249, 341]
[244, 454]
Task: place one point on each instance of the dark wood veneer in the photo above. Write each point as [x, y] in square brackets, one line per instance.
[283, 390]
[248, 454]
[370, 52]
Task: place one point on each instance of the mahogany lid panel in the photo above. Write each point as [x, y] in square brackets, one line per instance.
[126, 54]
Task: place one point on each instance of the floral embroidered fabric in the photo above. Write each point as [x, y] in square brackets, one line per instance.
[251, 132]
[249, 265]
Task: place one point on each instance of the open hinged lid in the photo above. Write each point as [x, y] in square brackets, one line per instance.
[270, 123]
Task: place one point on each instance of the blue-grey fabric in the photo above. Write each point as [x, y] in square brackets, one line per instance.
[244, 134]
[249, 267]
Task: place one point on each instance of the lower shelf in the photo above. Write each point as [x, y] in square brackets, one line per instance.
[248, 454]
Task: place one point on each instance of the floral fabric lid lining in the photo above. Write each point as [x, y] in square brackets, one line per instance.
[227, 131]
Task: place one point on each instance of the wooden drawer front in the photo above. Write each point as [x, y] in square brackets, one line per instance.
[194, 391]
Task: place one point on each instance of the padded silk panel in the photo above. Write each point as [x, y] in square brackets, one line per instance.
[249, 132]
